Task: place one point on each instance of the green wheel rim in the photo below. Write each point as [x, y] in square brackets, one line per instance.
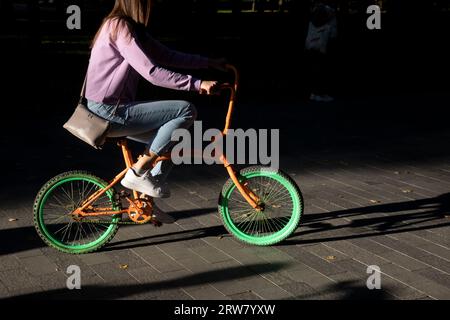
[283, 233]
[79, 248]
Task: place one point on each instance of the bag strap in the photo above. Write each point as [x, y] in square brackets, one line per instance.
[83, 90]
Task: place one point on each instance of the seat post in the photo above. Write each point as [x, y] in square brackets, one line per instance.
[128, 157]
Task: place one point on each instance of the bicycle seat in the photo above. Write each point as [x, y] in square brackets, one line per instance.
[116, 140]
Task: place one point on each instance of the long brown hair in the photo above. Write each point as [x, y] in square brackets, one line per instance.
[132, 12]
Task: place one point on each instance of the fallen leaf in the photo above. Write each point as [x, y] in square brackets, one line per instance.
[330, 258]
[123, 266]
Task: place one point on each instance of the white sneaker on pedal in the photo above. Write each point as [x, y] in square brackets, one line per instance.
[145, 184]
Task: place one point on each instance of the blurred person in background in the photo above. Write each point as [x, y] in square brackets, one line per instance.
[322, 31]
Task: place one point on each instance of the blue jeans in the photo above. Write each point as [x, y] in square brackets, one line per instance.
[150, 122]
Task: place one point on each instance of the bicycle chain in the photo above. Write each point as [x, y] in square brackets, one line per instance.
[155, 223]
[152, 221]
[110, 222]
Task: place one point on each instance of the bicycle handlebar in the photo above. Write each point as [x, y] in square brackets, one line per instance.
[233, 88]
[233, 69]
[225, 86]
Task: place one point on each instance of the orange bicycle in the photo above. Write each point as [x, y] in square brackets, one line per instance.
[77, 212]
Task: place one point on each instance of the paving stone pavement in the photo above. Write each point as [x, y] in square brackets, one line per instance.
[389, 208]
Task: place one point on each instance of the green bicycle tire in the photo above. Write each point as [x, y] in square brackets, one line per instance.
[42, 198]
[289, 187]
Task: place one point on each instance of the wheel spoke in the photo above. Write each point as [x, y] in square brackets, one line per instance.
[62, 226]
[278, 207]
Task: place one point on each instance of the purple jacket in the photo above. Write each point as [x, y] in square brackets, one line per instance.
[115, 66]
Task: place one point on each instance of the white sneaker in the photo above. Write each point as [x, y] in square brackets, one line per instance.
[145, 184]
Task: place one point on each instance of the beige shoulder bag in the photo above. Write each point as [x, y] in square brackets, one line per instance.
[86, 125]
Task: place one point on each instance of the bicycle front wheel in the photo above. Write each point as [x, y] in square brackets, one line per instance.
[59, 228]
[280, 198]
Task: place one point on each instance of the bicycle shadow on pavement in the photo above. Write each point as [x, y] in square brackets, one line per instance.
[435, 209]
[154, 289]
[21, 239]
[426, 210]
[173, 216]
[178, 236]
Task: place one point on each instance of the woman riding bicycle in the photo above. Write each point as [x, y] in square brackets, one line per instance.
[122, 51]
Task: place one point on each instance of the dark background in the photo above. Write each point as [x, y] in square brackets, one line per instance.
[389, 83]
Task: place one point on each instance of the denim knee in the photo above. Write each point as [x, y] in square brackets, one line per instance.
[189, 112]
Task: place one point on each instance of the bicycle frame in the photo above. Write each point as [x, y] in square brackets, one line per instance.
[136, 203]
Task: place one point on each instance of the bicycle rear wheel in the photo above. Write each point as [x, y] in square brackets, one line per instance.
[54, 221]
[281, 200]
